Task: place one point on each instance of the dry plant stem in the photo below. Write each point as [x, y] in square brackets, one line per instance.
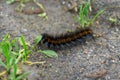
[39, 5]
[32, 63]
[3, 73]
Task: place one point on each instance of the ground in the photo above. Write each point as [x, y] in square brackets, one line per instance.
[97, 60]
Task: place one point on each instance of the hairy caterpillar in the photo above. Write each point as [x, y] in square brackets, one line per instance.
[67, 40]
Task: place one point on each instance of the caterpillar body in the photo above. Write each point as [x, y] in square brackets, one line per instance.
[67, 40]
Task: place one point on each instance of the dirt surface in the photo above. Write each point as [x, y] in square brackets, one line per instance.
[98, 60]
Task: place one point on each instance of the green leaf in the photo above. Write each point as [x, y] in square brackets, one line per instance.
[81, 12]
[13, 42]
[113, 20]
[3, 64]
[23, 43]
[49, 53]
[42, 14]
[98, 14]
[14, 71]
[6, 50]
[19, 57]
[86, 8]
[39, 4]
[38, 39]
[7, 36]
[14, 53]
[23, 75]
[10, 1]
[11, 61]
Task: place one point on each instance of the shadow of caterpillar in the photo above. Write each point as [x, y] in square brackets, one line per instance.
[67, 40]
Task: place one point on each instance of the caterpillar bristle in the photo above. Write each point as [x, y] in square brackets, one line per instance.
[67, 40]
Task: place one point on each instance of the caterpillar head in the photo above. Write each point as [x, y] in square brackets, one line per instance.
[40, 44]
[44, 35]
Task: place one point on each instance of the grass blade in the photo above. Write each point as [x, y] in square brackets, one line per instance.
[10, 1]
[3, 64]
[86, 8]
[14, 71]
[23, 75]
[23, 43]
[6, 52]
[11, 61]
[98, 14]
[7, 36]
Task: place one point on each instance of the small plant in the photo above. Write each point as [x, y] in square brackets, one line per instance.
[13, 55]
[83, 18]
[6, 50]
[25, 50]
[15, 51]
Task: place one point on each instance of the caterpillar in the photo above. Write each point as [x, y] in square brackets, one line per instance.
[67, 40]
